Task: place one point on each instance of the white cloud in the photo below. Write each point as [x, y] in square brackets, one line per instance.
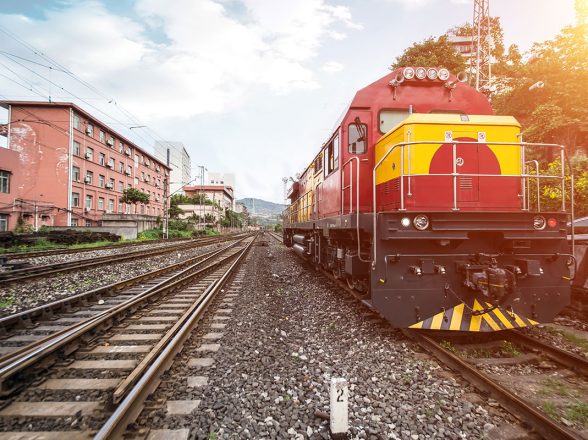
[195, 57]
[332, 67]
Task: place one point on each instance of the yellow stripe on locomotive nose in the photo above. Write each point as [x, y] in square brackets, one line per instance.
[460, 318]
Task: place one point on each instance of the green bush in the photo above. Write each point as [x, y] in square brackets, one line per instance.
[150, 234]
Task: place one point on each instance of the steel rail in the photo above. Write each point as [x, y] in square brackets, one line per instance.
[516, 406]
[96, 293]
[572, 361]
[148, 375]
[66, 251]
[68, 266]
[59, 341]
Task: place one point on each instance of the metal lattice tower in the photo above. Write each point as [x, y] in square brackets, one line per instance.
[480, 62]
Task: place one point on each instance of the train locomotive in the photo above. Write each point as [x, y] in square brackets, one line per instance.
[426, 203]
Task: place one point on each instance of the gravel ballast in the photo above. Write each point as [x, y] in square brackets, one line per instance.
[290, 331]
[25, 295]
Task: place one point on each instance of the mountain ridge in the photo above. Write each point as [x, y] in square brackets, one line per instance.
[262, 207]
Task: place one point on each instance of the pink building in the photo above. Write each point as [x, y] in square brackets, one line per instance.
[63, 167]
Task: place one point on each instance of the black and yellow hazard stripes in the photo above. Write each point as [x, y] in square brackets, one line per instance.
[474, 319]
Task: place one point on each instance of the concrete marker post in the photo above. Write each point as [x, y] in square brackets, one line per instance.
[339, 398]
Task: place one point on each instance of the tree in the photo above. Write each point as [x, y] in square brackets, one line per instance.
[432, 53]
[132, 195]
[558, 111]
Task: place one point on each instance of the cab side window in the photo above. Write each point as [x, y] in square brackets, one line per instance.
[331, 156]
[357, 138]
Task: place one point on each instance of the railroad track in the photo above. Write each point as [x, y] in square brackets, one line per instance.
[34, 272]
[525, 411]
[103, 368]
[65, 251]
[34, 325]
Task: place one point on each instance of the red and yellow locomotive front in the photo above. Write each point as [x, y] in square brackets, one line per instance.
[422, 200]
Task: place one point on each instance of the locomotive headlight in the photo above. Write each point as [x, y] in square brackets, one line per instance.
[539, 222]
[405, 222]
[421, 73]
[432, 74]
[408, 73]
[421, 222]
[443, 74]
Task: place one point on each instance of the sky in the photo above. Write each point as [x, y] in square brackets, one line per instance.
[252, 87]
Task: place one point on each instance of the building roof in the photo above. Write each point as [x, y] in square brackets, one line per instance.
[6, 104]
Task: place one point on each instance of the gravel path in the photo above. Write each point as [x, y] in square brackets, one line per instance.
[18, 297]
[289, 333]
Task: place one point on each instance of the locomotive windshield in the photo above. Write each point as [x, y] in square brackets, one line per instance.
[390, 118]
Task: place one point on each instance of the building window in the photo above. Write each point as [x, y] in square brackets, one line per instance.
[121, 186]
[3, 222]
[89, 153]
[88, 223]
[76, 148]
[101, 203]
[90, 130]
[76, 121]
[111, 183]
[136, 160]
[4, 181]
[111, 163]
[129, 170]
[89, 177]
[121, 147]
[102, 159]
[75, 200]
[101, 180]
[120, 207]
[121, 167]
[89, 202]
[75, 174]
[74, 222]
[101, 136]
[110, 205]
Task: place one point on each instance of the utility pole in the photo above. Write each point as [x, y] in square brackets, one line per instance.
[166, 201]
[202, 169]
[480, 61]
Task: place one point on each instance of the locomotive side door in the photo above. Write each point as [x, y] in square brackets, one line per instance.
[355, 163]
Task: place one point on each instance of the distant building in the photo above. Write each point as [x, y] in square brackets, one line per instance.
[63, 167]
[462, 45]
[179, 162]
[223, 195]
[226, 179]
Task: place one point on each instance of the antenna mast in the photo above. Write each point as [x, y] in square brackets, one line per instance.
[481, 66]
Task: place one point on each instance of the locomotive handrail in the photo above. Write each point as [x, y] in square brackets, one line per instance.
[351, 200]
[455, 174]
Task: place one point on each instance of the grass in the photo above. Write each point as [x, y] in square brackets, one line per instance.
[578, 413]
[552, 386]
[447, 346]
[510, 349]
[570, 337]
[576, 340]
[550, 409]
[6, 302]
